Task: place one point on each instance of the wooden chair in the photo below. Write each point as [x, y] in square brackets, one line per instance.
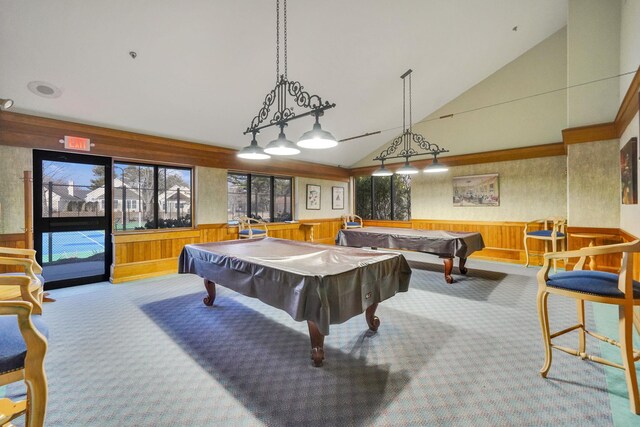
[553, 230]
[25, 261]
[23, 346]
[250, 228]
[596, 286]
[351, 221]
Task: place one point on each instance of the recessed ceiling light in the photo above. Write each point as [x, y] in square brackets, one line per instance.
[44, 89]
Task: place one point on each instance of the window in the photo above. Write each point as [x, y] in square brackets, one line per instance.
[152, 197]
[259, 196]
[383, 197]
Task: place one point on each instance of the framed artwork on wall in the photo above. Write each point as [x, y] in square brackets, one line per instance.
[337, 197]
[476, 190]
[313, 197]
[629, 172]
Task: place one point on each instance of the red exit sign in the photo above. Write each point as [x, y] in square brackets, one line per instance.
[77, 143]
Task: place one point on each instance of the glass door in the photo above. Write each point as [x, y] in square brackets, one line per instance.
[72, 217]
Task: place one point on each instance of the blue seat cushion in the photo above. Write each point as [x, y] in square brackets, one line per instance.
[12, 347]
[591, 282]
[543, 233]
[246, 232]
[351, 224]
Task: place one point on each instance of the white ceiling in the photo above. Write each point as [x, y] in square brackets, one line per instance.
[204, 67]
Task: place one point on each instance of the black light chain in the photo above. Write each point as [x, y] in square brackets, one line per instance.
[410, 119]
[404, 103]
[285, 39]
[277, 41]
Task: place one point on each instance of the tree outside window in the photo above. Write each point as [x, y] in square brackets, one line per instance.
[259, 196]
[383, 197]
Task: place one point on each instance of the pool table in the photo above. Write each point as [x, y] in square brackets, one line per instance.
[322, 284]
[445, 244]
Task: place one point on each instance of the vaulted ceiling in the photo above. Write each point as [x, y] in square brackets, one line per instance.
[203, 67]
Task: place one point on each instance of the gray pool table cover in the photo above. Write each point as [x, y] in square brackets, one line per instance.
[439, 242]
[322, 283]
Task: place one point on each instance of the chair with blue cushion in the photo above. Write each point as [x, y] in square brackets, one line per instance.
[249, 228]
[549, 230]
[351, 221]
[21, 263]
[596, 286]
[23, 346]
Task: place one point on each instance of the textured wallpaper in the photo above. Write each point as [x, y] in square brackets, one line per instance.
[13, 162]
[529, 189]
[325, 211]
[630, 214]
[211, 199]
[594, 184]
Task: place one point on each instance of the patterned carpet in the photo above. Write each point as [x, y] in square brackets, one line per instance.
[149, 353]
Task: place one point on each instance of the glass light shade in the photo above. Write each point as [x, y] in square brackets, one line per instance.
[253, 152]
[436, 167]
[5, 104]
[407, 169]
[281, 146]
[317, 138]
[382, 171]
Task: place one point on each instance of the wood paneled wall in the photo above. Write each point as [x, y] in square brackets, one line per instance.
[503, 240]
[155, 253]
[22, 130]
[141, 255]
[610, 263]
[14, 240]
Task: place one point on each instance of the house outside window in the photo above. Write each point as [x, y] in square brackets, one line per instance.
[155, 196]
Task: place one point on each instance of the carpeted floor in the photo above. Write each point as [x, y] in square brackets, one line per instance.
[149, 353]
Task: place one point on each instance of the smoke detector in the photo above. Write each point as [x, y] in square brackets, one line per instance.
[44, 89]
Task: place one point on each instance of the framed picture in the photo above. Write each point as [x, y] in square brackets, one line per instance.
[476, 190]
[629, 172]
[337, 197]
[313, 196]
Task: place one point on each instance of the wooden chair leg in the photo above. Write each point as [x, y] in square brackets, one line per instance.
[526, 253]
[37, 401]
[554, 249]
[543, 315]
[625, 320]
[582, 336]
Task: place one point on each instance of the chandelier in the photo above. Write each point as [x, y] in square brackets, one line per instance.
[316, 138]
[405, 141]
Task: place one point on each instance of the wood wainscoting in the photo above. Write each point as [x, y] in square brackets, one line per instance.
[148, 254]
[503, 240]
[610, 263]
[155, 253]
[13, 240]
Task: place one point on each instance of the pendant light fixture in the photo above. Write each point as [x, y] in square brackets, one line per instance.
[436, 167]
[316, 138]
[281, 146]
[253, 151]
[406, 140]
[382, 171]
[5, 104]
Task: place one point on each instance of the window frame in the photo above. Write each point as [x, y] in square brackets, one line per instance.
[272, 180]
[156, 193]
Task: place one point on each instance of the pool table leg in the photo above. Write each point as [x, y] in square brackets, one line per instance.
[448, 268]
[317, 344]
[211, 290]
[461, 263]
[372, 319]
